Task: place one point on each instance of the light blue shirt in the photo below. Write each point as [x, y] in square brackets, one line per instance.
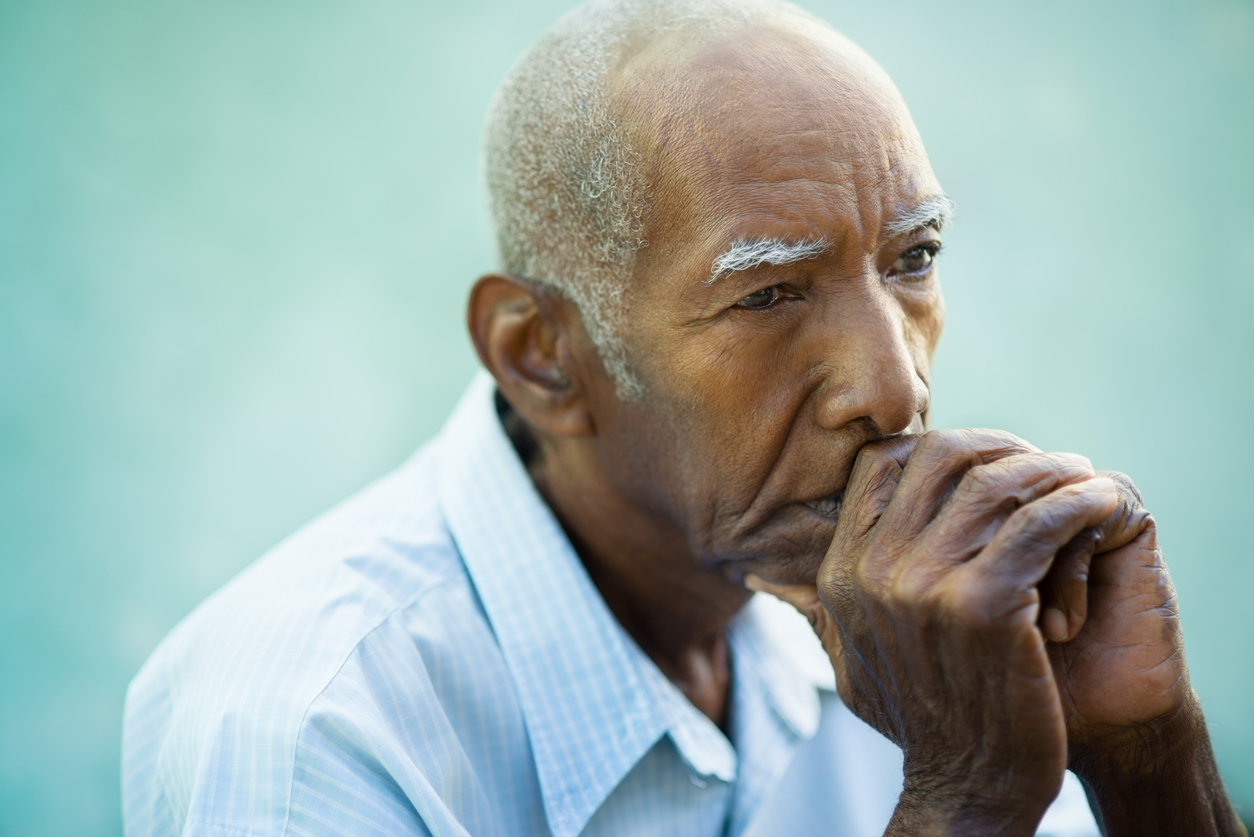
[432, 658]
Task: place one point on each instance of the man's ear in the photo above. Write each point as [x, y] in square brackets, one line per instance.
[522, 332]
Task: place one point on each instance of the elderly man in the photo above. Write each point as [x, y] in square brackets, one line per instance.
[709, 350]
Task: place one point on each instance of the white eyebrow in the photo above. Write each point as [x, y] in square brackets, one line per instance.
[748, 253]
[936, 211]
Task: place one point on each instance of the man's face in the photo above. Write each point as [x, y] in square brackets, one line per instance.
[762, 384]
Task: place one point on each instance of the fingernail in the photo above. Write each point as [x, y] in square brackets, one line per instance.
[1078, 459]
[1054, 623]
[1101, 484]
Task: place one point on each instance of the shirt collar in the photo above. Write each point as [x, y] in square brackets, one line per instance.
[776, 643]
[594, 703]
[589, 717]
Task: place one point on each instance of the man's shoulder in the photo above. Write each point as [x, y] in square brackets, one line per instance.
[313, 597]
[315, 638]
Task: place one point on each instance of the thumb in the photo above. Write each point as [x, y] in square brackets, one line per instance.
[803, 597]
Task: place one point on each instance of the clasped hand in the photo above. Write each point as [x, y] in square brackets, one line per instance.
[999, 613]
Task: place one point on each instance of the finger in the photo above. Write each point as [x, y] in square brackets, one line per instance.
[871, 485]
[990, 493]
[868, 492]
[804, 597]
[1024, 547]
[938, 463]
[1065, 590]
[1129, 519]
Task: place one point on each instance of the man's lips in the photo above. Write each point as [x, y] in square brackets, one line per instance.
[828, 506]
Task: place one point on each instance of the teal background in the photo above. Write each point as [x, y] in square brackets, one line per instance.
[236, 238]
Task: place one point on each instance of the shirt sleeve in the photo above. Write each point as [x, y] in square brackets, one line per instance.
[340, 786]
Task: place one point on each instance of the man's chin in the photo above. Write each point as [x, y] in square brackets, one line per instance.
[786, 550]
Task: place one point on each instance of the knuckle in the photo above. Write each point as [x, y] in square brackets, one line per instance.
[968, 606]
[985, 476]
[997, 444]
[1074, 557]
[892, 449]
[909, 590]
[880, 462]
[936, 443]
[837, 588]
[884, 476]
[965, 449]
[984, 604]
[1127, 489]
[872, 574]
[951, 445]
[869, 456]
[988, 484]
[969, 446]
[918, 592]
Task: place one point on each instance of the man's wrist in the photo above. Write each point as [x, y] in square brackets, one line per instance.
[938, 809]
[1131, 755]
[1157, 779]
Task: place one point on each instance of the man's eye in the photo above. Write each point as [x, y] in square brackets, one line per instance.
[916, 259]
[764, 298]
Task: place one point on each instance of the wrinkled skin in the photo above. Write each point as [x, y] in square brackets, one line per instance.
[927, 589]
[751, 414]
[929, 599]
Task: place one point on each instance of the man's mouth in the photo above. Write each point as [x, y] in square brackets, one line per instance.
[828, 506]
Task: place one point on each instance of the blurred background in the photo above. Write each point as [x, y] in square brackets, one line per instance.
[236, 239]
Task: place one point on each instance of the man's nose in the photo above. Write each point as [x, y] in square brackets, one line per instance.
[873, 374]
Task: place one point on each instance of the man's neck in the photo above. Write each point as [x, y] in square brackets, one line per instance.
[675, 609]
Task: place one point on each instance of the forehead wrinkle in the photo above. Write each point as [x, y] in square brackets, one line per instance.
[694, 105]
[886, 163]
[748, 253]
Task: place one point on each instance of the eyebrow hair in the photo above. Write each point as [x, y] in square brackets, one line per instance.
[748, 253]
[935, 211]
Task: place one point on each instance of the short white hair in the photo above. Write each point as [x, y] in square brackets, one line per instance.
[566, 190]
